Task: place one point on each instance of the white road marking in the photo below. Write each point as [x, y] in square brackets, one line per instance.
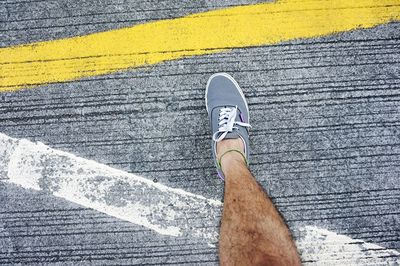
[322, 247]
[166, 210]
[117, 193]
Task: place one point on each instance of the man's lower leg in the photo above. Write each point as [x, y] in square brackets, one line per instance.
[252, 230]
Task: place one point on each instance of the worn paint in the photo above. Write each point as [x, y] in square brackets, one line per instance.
[114, 192]
[203, 33]
[323, 247]
[166, 210]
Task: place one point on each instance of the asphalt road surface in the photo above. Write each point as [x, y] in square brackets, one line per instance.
[325, 140]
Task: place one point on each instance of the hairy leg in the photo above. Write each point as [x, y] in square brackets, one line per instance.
[252, 230]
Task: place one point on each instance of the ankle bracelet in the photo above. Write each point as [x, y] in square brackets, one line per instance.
[235, 150]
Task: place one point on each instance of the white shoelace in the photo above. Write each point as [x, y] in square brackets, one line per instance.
[227, 123]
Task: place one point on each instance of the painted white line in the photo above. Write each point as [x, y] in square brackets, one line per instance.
[166, 210]
[117, 193]
[322, 247]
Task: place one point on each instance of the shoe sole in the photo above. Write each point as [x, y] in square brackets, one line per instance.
[237, 86]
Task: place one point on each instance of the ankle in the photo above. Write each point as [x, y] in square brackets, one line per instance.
[229, 144]
[230, 153]
[231, 161]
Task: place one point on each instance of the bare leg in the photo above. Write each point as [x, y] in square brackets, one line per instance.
[252, 230]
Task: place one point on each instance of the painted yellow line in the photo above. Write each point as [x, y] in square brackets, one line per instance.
[203, 33]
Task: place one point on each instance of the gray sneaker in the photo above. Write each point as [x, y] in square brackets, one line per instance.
[228, 113]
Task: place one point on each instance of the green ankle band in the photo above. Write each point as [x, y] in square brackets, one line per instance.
[235, 150]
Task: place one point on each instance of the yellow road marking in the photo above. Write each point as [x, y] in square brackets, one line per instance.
[203, 33]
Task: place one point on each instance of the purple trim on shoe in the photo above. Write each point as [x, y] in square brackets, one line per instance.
[241, 117]
[220, 176]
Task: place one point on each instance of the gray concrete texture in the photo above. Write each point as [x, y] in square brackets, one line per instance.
[325, 141]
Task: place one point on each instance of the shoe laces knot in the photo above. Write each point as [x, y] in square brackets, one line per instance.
[227, 123]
